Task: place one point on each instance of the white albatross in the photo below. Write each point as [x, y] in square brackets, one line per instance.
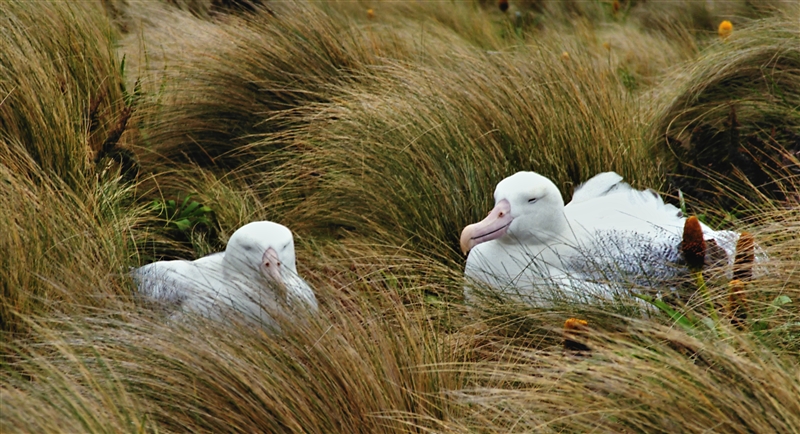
[255, 276]
[609, 234]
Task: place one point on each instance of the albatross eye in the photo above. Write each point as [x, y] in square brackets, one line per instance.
[532, 200]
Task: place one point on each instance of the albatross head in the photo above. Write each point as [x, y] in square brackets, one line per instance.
[261, 250]
[527, 207]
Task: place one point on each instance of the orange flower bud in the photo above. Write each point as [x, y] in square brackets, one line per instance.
[725, 29]
[575, 324]
[571, 326]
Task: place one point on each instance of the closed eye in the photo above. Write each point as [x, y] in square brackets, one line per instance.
[532, 200]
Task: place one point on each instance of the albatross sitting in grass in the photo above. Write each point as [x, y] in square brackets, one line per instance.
[609, 234]
[255, 276]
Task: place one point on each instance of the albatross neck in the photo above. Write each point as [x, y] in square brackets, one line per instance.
[547, 225]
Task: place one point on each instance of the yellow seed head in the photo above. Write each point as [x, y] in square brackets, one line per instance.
[607, 46]
[565, 56]
[725, 29]
[575, 324]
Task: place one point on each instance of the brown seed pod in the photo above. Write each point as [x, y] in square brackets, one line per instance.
[737, 305]
[745, 257]
[693, 246]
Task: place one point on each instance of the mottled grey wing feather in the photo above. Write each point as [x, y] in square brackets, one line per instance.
[624, 256]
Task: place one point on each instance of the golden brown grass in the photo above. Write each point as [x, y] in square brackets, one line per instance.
[375, 139]
[647, 379]
[728, 122]
[61, 97]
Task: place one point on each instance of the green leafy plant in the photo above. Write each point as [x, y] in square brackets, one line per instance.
[184, 215]
[686, 321]
[772, 310]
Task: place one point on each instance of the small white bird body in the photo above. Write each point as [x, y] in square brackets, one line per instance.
[608, 234]
[256, 276]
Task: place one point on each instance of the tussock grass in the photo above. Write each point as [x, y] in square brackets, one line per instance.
[64, 249]
[67, 213]
[246, 77]
[648, 379]
[383, 365]
[417, 156]
[376, 139]
[349, 371]
[731, 121]
[61, 88]
[87, 396]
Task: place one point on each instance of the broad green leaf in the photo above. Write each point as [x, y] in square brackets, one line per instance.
[190, 209]
[182, 224]
[186, 200]
[781, 300]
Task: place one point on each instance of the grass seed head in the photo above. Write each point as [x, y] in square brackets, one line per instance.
[737, 307]
[745, 257]
[693, 244]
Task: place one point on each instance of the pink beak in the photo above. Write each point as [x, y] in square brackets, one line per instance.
[272, 264]
[492, 227]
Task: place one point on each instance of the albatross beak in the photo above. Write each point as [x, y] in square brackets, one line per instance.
[273, 265]
[492, 227]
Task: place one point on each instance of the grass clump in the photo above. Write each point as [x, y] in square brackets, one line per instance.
[67, 210]
[416, 156]
[647, 379]
[376, 138]
[65, 251]
[731, 122]
[247, 76]
[62, 88]
[353, 370]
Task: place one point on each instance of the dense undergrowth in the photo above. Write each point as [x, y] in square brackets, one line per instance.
[138, 131]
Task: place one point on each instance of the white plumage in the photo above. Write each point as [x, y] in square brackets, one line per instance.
[256, 276]
[608, 234]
